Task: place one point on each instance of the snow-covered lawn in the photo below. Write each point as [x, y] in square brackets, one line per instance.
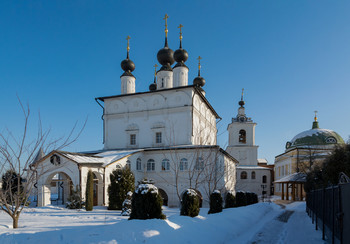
[256, 223]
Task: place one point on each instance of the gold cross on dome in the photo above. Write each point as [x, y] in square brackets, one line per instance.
[242, 93]
[155, 69]
[316, 115]
[128, 47]
[199, 62]
[180, 26]
[166, 24]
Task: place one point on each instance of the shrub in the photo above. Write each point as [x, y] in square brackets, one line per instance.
[74, 200]
[122, 181]
[250, 199]
[255, 198]
[12, 186]
[89, 194]
[146, 202]
[126, 210]
[230, 200]
[241, 199]
[189, 203]
[215, 202]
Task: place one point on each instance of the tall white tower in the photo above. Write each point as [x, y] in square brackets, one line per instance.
[241, 143]
[127, 78]
[180, 69]
[165, 57]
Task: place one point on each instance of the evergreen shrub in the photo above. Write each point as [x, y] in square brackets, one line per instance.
[215, 202]
[250, 196]
[122, 181]
[189, 203]
[146, 202]
[255, 198]
[230, 200]
[241, 199]
[74, 200]
[126, 210]
[89, 193]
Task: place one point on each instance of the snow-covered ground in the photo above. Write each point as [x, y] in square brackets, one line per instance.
[258, 223]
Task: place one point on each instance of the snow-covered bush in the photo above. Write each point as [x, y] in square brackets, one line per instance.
[250, 196]
[215, 202]
[89, 194]
[255, 198]
[74, 201]
[126, 210]
[230, 200]
[146, 202]
[189, 203]
[241, 199]
[122, 181]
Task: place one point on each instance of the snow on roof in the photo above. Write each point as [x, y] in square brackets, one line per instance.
[295, 177]
[252, 167]
[105, 158]
[262, 160]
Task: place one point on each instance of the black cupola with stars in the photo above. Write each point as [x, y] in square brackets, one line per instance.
[199, 80]
[165, 55]
[180, 55]
[127, 65]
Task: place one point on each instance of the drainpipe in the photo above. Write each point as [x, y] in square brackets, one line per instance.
[102, 117]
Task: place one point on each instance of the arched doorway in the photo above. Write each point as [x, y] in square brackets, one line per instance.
[98, 189]
[59, 188]
[164, 196]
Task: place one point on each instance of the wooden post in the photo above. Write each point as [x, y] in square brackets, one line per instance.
[282, 191]
[293, 192]
[287, 193]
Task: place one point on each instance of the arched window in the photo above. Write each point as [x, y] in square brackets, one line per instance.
[151, 166]
[183, 164]
[165, 165]
[242, 136]
[138, 164]
[253, 175]
[264, 179]
[128, 164]
[244, 175]
[199, 164]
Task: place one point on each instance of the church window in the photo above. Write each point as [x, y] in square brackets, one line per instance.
[128, 164]
[199, 164]
[138, 164]
[244, 175]
[264, 179]
[132, 139]
[151, 165]
[165, 165]
[158, 137]
[253, 175]
[242, 136]
[183, 164]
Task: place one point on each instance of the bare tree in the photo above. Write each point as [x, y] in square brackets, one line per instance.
[17, 158]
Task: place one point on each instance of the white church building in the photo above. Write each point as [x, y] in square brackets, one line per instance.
[167, 134]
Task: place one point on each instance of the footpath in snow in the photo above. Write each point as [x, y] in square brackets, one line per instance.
[258, 223]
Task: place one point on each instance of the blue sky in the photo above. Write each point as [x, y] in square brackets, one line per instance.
[291, 57]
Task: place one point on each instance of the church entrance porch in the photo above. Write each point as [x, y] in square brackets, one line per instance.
[57, 189]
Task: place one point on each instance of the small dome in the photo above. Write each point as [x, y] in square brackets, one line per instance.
[127, 65]
[241, 103]
[199, 81]
[181, 55]
[153, 87]
[165, 56]
[315, 137]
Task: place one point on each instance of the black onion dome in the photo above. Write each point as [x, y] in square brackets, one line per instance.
[127, 65]
[153, 87]
[165, 56]
[181, 55]
[241, 103]
[199, 81]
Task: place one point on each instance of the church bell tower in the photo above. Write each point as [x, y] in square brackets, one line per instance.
[241, 143]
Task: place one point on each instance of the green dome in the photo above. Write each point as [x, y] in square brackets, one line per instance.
[315, 137]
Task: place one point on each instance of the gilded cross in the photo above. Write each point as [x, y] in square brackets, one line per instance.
[199, 62]
[180, 26]
[128, 47]
[242, 94]
[316, 115]
[166, 24]
[155, 69]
